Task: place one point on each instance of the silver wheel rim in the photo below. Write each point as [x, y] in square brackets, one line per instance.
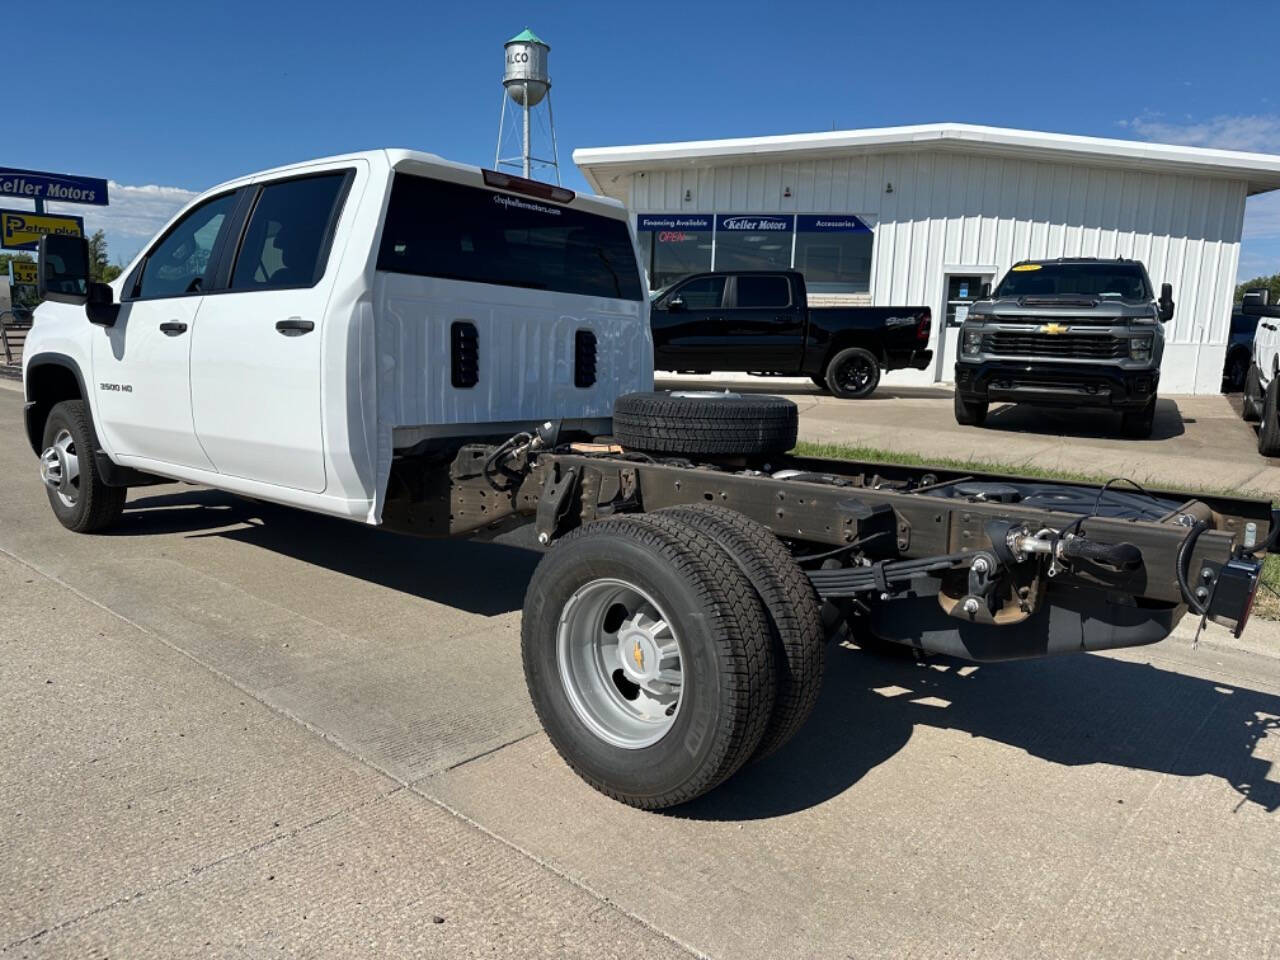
[620, 663]
[60, 468]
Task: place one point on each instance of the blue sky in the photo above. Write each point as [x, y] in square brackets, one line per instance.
[166, 98]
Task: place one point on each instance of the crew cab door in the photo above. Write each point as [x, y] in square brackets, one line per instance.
[141, 365]
[688, 325]
[256, 359]
[765, 329]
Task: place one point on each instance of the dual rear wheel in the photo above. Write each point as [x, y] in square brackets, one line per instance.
[664, 651]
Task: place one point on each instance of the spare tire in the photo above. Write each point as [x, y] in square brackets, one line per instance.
[704, 422]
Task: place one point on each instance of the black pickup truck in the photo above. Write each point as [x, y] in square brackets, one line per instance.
[761, 322]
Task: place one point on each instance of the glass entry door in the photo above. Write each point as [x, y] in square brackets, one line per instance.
[961, 289]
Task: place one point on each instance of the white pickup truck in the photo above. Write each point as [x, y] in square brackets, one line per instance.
[446, 351]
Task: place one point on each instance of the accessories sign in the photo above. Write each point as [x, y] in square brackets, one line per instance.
[61, 187]
[22, 230]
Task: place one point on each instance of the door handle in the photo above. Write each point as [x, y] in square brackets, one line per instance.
[173, 328]
[295, 326]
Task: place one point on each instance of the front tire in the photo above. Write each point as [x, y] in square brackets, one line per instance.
[1251, 400]
[1269, 426]
[853, 373]
[646, 654]
[80, 500]
[970, 413]
[1138, 424]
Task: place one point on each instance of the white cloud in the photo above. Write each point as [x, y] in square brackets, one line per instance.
[1262, 216]
[1259, 133]
[133, 211]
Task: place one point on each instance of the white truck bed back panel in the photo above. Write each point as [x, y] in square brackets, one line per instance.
[525, 350]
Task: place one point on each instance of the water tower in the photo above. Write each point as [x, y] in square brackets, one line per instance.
[526, 83]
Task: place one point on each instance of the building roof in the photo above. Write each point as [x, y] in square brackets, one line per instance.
[1261, 171]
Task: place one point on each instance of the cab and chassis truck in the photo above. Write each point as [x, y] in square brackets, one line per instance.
[450, 352]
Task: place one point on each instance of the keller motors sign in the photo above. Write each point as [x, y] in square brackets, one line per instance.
[58, 187]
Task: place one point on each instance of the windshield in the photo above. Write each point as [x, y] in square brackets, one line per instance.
[1116, 281]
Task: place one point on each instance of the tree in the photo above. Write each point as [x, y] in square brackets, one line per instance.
[1271, 283]
[101, 269]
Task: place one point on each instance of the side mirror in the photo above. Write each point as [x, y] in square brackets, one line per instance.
[985, 292]
[1166, 302]
[101, 306]
[1253, 301]
[675, 305]
[63, 272]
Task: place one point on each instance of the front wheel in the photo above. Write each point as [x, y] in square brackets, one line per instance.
[79, 498]
[1269, 425]
[1251, 399]
[1138, 424]
[970, 413]
[853, 373]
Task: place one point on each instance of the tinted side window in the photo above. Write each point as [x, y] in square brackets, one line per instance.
[178, 263]
[439, 229]
[287, 234]
[763, 292]
[704, 293]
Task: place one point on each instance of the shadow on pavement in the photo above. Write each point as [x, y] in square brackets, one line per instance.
[1083, 421]
[788, 388]
[1072, 710]
[483, 578]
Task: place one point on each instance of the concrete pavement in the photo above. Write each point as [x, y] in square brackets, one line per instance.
[1197, 439]
[237, 730]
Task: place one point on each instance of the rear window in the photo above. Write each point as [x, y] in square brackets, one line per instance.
[1116, 281]
[763, 292]
[440, 229]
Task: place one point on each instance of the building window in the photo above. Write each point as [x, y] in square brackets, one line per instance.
[753, 242]
[834, 253]
[674, 245]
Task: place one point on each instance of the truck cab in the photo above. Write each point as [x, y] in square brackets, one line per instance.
[1066, 333]
[291, 333]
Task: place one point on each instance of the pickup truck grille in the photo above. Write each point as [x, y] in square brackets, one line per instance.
[1071, 346]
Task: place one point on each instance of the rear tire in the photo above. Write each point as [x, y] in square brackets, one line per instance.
[81, 502]
[970, 413]
[693, 423]
[1251, 400]
[795, 625]
[1138, 424]
[853, 373]
[1268, 427]
[722, 661]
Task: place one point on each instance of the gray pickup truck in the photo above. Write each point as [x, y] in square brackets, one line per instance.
[1066, 333]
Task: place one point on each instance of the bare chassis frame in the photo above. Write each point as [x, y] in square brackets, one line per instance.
[573, 484]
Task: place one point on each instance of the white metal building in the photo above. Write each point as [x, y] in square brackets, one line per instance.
[925, 214]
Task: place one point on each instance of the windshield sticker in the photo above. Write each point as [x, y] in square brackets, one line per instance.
[1024, 267]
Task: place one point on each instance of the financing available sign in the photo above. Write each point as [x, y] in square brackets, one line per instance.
[22, 230]
[59, 187]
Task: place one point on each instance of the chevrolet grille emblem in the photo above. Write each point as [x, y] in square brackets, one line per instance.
[1054, 328]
